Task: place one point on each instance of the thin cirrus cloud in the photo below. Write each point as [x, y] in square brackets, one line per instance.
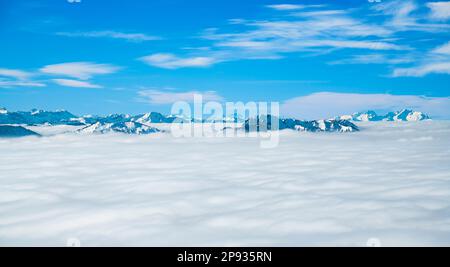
[17, 74]
[400, 12]
[439, 10]
[11, 84]
[285, 7]
[405, 16]
[373, 59]
[423, 70]
[10, 78]
[318, 29]
[79, 70]
[443, 49]
[308, 29]
[170, 61]
[436, 61]
[327, 104]
[131, 37]
[75, 83]
[160, 97]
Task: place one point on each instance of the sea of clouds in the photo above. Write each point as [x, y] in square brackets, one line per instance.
[391, 182]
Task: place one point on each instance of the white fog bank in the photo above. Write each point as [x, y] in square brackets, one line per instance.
[391, 181]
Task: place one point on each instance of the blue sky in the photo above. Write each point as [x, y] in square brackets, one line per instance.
[318, 58]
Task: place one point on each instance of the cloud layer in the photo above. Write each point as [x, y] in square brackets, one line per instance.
[392, 183]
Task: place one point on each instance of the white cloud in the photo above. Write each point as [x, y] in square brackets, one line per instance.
[371, 45]
[164, 97]
[439, 10]
[17, 74]
[309, 32]
[17, 78]
[400, 12]
[373, 59]
[286, 7]
[75, 83]
[79, 70]
[328, 104]
[170, 61]
[443, 49]
[406, 16]
[290, 7]
[320, 13]
[316, 30]
[423, 70]
[133, 37]
[435, 61]
[312, 190]
[10, 84]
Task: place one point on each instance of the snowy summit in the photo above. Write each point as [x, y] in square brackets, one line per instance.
[403, 115]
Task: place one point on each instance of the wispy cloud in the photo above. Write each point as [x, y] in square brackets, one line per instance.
[132, 37]
[405, 16]
[439, 10]
[443, 49]
[75, 83]
[315, 30]
[424, 69]
[435, 61]
[374, 59]
[328, 104]
[400, 12]
[284, 7]
[82, 71]
[170, 61]
[79, 70]
[164, 97]
[11, 84]
[17, 74]
[306, 30]
[10, 78]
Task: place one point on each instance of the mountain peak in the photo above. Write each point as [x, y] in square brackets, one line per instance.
[119, 127]
[264, 122]
[403, 115]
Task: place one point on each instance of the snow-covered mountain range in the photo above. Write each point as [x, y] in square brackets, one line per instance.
[144, 123]
[403, 115]
[36, 117]
[119, 127]
[334, 125]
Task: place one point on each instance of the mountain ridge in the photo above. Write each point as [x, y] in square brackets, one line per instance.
[402, 115]
[140, 124]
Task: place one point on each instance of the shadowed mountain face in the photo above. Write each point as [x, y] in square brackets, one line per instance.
[15, 131]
